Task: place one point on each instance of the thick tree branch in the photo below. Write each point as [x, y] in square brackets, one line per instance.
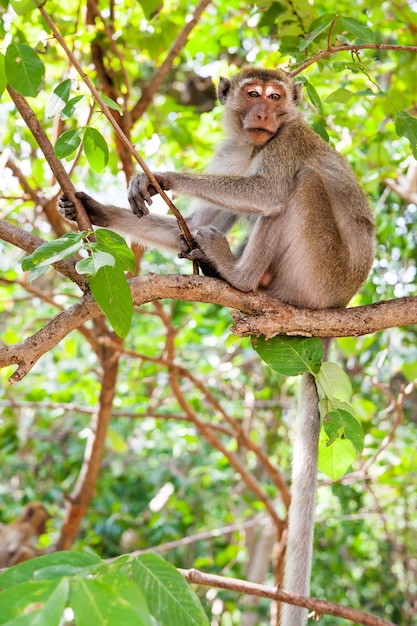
[320, 607]
[83, 492]
[271, 317]
[28, 242]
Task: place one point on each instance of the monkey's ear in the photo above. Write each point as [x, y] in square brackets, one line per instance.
[223, 89]
[297, 92]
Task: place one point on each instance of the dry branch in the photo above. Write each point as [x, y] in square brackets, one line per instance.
[320, 607]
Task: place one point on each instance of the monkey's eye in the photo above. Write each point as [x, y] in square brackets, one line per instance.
[275, 96]
[253, 94]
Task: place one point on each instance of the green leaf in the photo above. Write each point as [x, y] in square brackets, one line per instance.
[112, 104]
[314, 96]
[335, 459]
[320, 130]
[406, 126]
[151, 7]
[29, 569]
[340, 95]
[115, 441]
[51, 611]
[3, 77]
[107, 600]
[112, 293]
[53, 251]
[304, 43]
[333, 382]
[26, 604]
[96, 149]
[24, 6]
[114, 244]
[69, 108]
[67, 143]
[359, 30]
[290, 355]
[170, 598]
[24, 69]
[340, 422]
[95, 262]
[58, 99]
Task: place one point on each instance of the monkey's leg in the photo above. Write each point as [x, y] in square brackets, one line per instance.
[246, 272]
[159, 231]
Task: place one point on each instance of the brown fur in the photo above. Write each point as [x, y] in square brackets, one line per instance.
[18, 539]
[310, 243]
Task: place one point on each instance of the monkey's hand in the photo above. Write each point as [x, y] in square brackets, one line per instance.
[140, 192]
[95, 211]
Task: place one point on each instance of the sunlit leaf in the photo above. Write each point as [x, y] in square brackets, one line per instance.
[58, 99]
[340, 95]
[112, 104]
[304, 43]
[107, 600]
[171, 599]
[69, 108]
[114, 244]
[333, 382]
[3, 77]
[24, 6]
[93, 263]
[406, 126]
[67, 143]
[359, 30]
[335, 459]
[53, 251]
[24, 69]
[96, 149]
[151, 7]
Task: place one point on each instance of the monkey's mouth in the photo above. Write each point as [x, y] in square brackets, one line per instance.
[260, 130]
[260, 135]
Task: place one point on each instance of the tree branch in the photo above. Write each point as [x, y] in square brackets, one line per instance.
[320, 607]
[28, 242]
[270, 316]
[45, 145]
[119, 132]
[349, 48]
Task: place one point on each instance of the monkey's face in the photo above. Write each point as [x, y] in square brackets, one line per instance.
[263, 104]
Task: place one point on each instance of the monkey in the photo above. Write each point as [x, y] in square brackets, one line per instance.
[310, 244]
[18, 539]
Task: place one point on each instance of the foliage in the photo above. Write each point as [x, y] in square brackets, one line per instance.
[193, 407]
[83, 588]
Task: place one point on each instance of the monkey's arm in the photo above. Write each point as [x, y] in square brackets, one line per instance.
[250, 194]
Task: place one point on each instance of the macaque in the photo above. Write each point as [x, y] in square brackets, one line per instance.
[310, 242]
[18, 539]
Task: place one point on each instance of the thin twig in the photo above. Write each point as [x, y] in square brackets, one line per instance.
[106, 111]
[349, 47]
[320, 607]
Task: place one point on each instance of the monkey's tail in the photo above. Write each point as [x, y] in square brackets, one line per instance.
[303, 503]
